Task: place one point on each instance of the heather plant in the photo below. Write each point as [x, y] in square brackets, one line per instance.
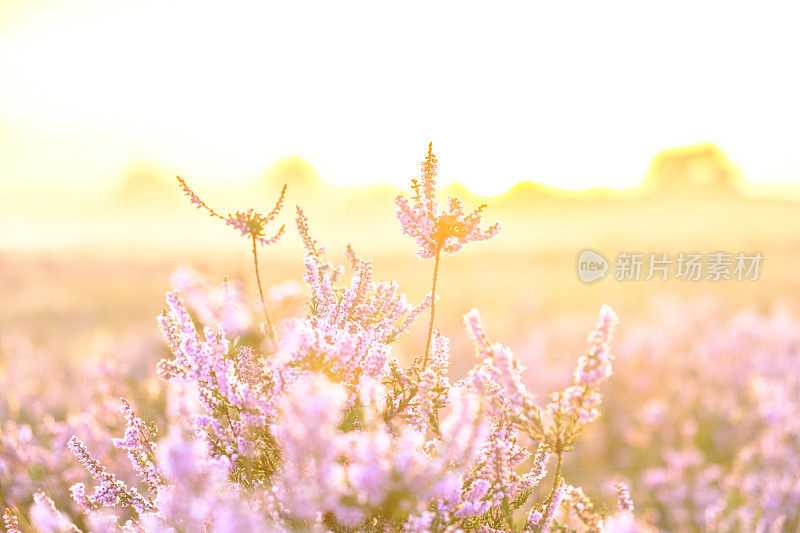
[325, 428]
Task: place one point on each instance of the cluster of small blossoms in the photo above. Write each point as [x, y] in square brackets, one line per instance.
[20, 447]
[718, 443]
[582, 508]
[500, 373]
[35, 432]
[198, 494]
[594, 367]
[366, 303]
[348, 330]
[583, 398]
[317, 434]
[432, 387]
[359, 478]
[542, 518]
[138, 442]
[11, 522]
[495, 478]
[46, 517]
[224, 306]
[624, 501]
[376, 307]
[447, 231]
[558, 424]
[237, 393]
[110, 491]
[765, 471]
[250, 223]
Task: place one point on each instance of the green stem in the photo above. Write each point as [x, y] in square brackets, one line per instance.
[270, 331]
[433, 308]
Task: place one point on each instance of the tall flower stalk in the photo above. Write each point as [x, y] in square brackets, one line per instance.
[433, 307]
[573, 408]
[438, 231]
[251, 224]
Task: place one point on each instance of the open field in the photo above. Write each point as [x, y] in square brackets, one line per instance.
[670, 414]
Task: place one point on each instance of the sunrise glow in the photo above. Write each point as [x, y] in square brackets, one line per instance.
[570, 96]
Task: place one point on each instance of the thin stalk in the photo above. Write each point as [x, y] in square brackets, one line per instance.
[557, 477]
[270, 331]
[556, 483]
[433, 308]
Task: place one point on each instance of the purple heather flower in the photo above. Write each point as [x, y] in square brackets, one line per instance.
[624, 501]
[434, 232]
[11, 522]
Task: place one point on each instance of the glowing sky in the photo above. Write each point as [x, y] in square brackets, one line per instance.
[573, 95]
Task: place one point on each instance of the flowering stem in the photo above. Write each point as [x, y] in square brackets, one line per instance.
[556, 481]
[557, 476]
[270, 331]
[433, 306]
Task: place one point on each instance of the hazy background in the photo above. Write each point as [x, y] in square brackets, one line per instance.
[102, 103]
[572, 95]
[620, 127]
